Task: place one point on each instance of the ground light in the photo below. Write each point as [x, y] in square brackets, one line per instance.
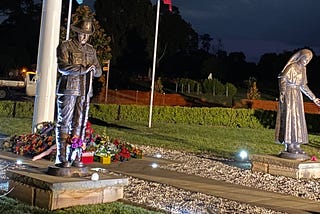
[19, 162]
[243, 155]
[241, 160]
[158, 155]
[154, 165]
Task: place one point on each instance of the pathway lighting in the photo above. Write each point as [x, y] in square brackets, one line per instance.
[19, 162]
[158, 155]
[243, 155]
[154, 165]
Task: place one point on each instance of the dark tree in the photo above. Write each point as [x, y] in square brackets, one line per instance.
[19, 33]
[123, 17]
[178, 42]
[205, 40]
[176, 34]
[131, 24]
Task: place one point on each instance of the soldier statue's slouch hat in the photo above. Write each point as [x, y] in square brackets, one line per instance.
[84, 26]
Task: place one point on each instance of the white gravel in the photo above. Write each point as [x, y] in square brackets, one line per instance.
[169, 199]
[173, 200]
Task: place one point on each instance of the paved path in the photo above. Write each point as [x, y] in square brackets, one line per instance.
[275, 201]
[142, 169]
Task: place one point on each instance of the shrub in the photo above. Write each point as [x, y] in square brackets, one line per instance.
[232, 90]
[213, 86]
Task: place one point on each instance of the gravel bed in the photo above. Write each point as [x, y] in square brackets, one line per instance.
[174, 200]
[169, 199]
[214, 169]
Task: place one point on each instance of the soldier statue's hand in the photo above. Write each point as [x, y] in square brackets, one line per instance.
[90, 68]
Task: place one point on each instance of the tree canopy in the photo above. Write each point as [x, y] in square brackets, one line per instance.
[19, 33]
[125, 33]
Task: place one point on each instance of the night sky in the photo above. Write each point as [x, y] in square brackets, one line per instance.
[254, 27]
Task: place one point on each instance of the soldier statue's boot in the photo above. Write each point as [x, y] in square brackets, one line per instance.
[77, 163]
[62, 146]
[77, 153]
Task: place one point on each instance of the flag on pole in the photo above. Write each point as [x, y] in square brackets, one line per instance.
[168, 2]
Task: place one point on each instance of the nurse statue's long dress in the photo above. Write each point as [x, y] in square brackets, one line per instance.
[291, 128]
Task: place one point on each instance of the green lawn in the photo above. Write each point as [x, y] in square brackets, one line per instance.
[11, 206]
[218, 141]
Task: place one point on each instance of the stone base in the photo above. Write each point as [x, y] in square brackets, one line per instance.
[39, 189]
[286, 167]
[293, 156]
[68, 171]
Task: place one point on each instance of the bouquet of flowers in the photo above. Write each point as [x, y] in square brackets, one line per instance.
[100, 145]
[34, 144]
[118, 150]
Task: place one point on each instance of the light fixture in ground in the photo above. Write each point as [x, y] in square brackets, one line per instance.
[158, 155]
[154, 165]
[243, 155]
[19, 162]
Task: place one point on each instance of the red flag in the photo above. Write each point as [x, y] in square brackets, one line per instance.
[168, 2]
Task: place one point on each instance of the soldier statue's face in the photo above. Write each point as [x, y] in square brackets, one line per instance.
[83, 38]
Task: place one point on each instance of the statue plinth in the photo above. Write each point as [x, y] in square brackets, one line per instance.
[67, 171]
[275, 165]
[294, 156]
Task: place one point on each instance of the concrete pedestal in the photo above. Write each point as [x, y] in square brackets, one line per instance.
[31, 184]
[279, 166]
[68, 171]
[53, 192]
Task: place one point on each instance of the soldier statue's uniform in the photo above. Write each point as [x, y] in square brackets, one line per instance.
[77, 65]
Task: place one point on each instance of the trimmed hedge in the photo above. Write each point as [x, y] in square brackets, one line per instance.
[242, 118]
[7, 109]
[168, 114]
[16, 109]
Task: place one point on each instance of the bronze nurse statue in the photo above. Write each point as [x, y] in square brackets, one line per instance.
[291, 128]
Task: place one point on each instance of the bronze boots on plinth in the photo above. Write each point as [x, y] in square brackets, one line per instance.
[62, 150]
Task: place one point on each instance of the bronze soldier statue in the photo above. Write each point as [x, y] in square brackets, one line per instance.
[77, 65]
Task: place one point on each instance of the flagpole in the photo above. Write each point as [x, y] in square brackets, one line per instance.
[69, 18]
[154, 62]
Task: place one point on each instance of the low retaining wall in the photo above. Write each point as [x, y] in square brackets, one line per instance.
[291, 168]
[127, 97]
[309, 107]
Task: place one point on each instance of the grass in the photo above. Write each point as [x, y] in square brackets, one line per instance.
[218, 141]
[11, 206]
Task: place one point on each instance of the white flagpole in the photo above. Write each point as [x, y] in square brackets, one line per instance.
[154, 62]
[47, 63]
[69, 19]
